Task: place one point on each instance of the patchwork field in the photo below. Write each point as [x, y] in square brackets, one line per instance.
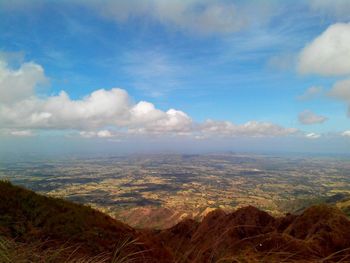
[160, 190]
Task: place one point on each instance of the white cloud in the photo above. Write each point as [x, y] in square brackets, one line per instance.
[307, 117]
[251, 128]
[311, 93]
[312, 135]
[113, 109]
[21, 133]
[98, 134]
[98, 109]
[341, 91]
[346, 133]
[87, 134]
[104, 134]
[16, 84]
[329, 53]
[62, 112]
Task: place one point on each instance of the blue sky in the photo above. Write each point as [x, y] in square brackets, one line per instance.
[229, 69]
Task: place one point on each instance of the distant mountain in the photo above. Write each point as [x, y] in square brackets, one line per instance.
[35, 228]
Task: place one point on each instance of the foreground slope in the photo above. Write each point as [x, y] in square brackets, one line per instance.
[28, 217]
[319, 234]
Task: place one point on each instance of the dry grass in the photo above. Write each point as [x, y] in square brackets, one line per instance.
[15, 252]
[96, 238]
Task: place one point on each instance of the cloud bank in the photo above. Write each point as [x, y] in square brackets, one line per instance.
[103, 113]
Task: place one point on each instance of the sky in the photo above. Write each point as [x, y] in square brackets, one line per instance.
[175, 75]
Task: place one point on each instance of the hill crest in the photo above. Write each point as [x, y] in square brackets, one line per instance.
[248, 234]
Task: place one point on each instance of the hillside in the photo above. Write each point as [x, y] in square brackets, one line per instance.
[27, 217]
[36, 228]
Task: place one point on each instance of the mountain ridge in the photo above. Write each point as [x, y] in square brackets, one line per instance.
[319, 234]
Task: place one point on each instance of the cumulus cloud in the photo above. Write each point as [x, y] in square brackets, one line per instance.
[16, 84]
[341, 91]
[21, 109]
[307, 117]
[21, 133]
[98, 109]
[98, 134]
[311, 93]
[346, 133]
[104, 134]
[110, 113]
[328, 54]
